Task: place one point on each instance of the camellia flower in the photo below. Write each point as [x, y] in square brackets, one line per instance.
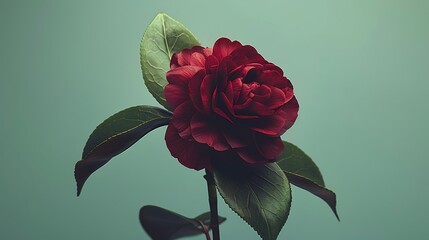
[229, 109]
[229, 103]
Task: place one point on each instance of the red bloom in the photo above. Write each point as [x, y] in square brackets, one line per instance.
[229, 104]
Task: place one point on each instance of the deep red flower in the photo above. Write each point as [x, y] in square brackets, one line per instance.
[229, 104]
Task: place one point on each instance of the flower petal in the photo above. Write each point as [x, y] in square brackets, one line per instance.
[268, 147]
[184, 57]
[181, 59]
[216, 99]
[252, 156]
[211, 64]
[176, 95]
[247, 54]
[289, 112]
[181, 119]
[275, 79]
[224, 47]
[237, 137]
[189, 153]
[257, 109]
[207, 133]
[274, 100]
[279, 123]
[207, 88]
[198, 59]
[195, 89]
[182, 75]
[271, 126]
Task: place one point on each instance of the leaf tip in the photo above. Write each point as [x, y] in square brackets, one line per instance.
[80, 175]
[336, 214]
[78, 190]
[333, 205]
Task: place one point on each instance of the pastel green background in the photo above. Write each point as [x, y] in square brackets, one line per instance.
[360, 71]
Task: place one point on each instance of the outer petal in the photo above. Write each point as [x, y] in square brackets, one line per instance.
[271, 126]
[180, 59]
[252, 156]
[278, 123]
[247, 54]
[191, 154]
[182, 75]
[289, 112]
[224, 47]
[236, 137]
[207, 88]
[177, 92]
[175, 95]
[263, 150]
[205, 132]
[249, 155]
[211, 64]
[181, 119]
[194, 89]
[268, 147]
[198, 59]
[184, 57]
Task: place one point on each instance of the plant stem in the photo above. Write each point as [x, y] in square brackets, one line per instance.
[205, 229]
[214, 219]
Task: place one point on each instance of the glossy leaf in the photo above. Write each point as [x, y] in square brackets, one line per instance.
[163, 37]
[304, 173]
[115, 135]
[162, 224]
[294, 160]
[260, 195]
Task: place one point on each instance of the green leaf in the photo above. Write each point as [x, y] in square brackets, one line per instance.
[304, 173]
[162, 224]
[294, 160]
[163, 37]
[115, 135]
[260, 195]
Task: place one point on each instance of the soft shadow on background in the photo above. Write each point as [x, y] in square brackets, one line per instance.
[360, 71]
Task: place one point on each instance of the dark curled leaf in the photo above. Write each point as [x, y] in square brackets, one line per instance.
[162, 224]
[304, 173]
[325, 194]
[260, 195]
[115, 135]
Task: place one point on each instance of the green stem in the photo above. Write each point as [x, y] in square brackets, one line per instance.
[214, 219]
